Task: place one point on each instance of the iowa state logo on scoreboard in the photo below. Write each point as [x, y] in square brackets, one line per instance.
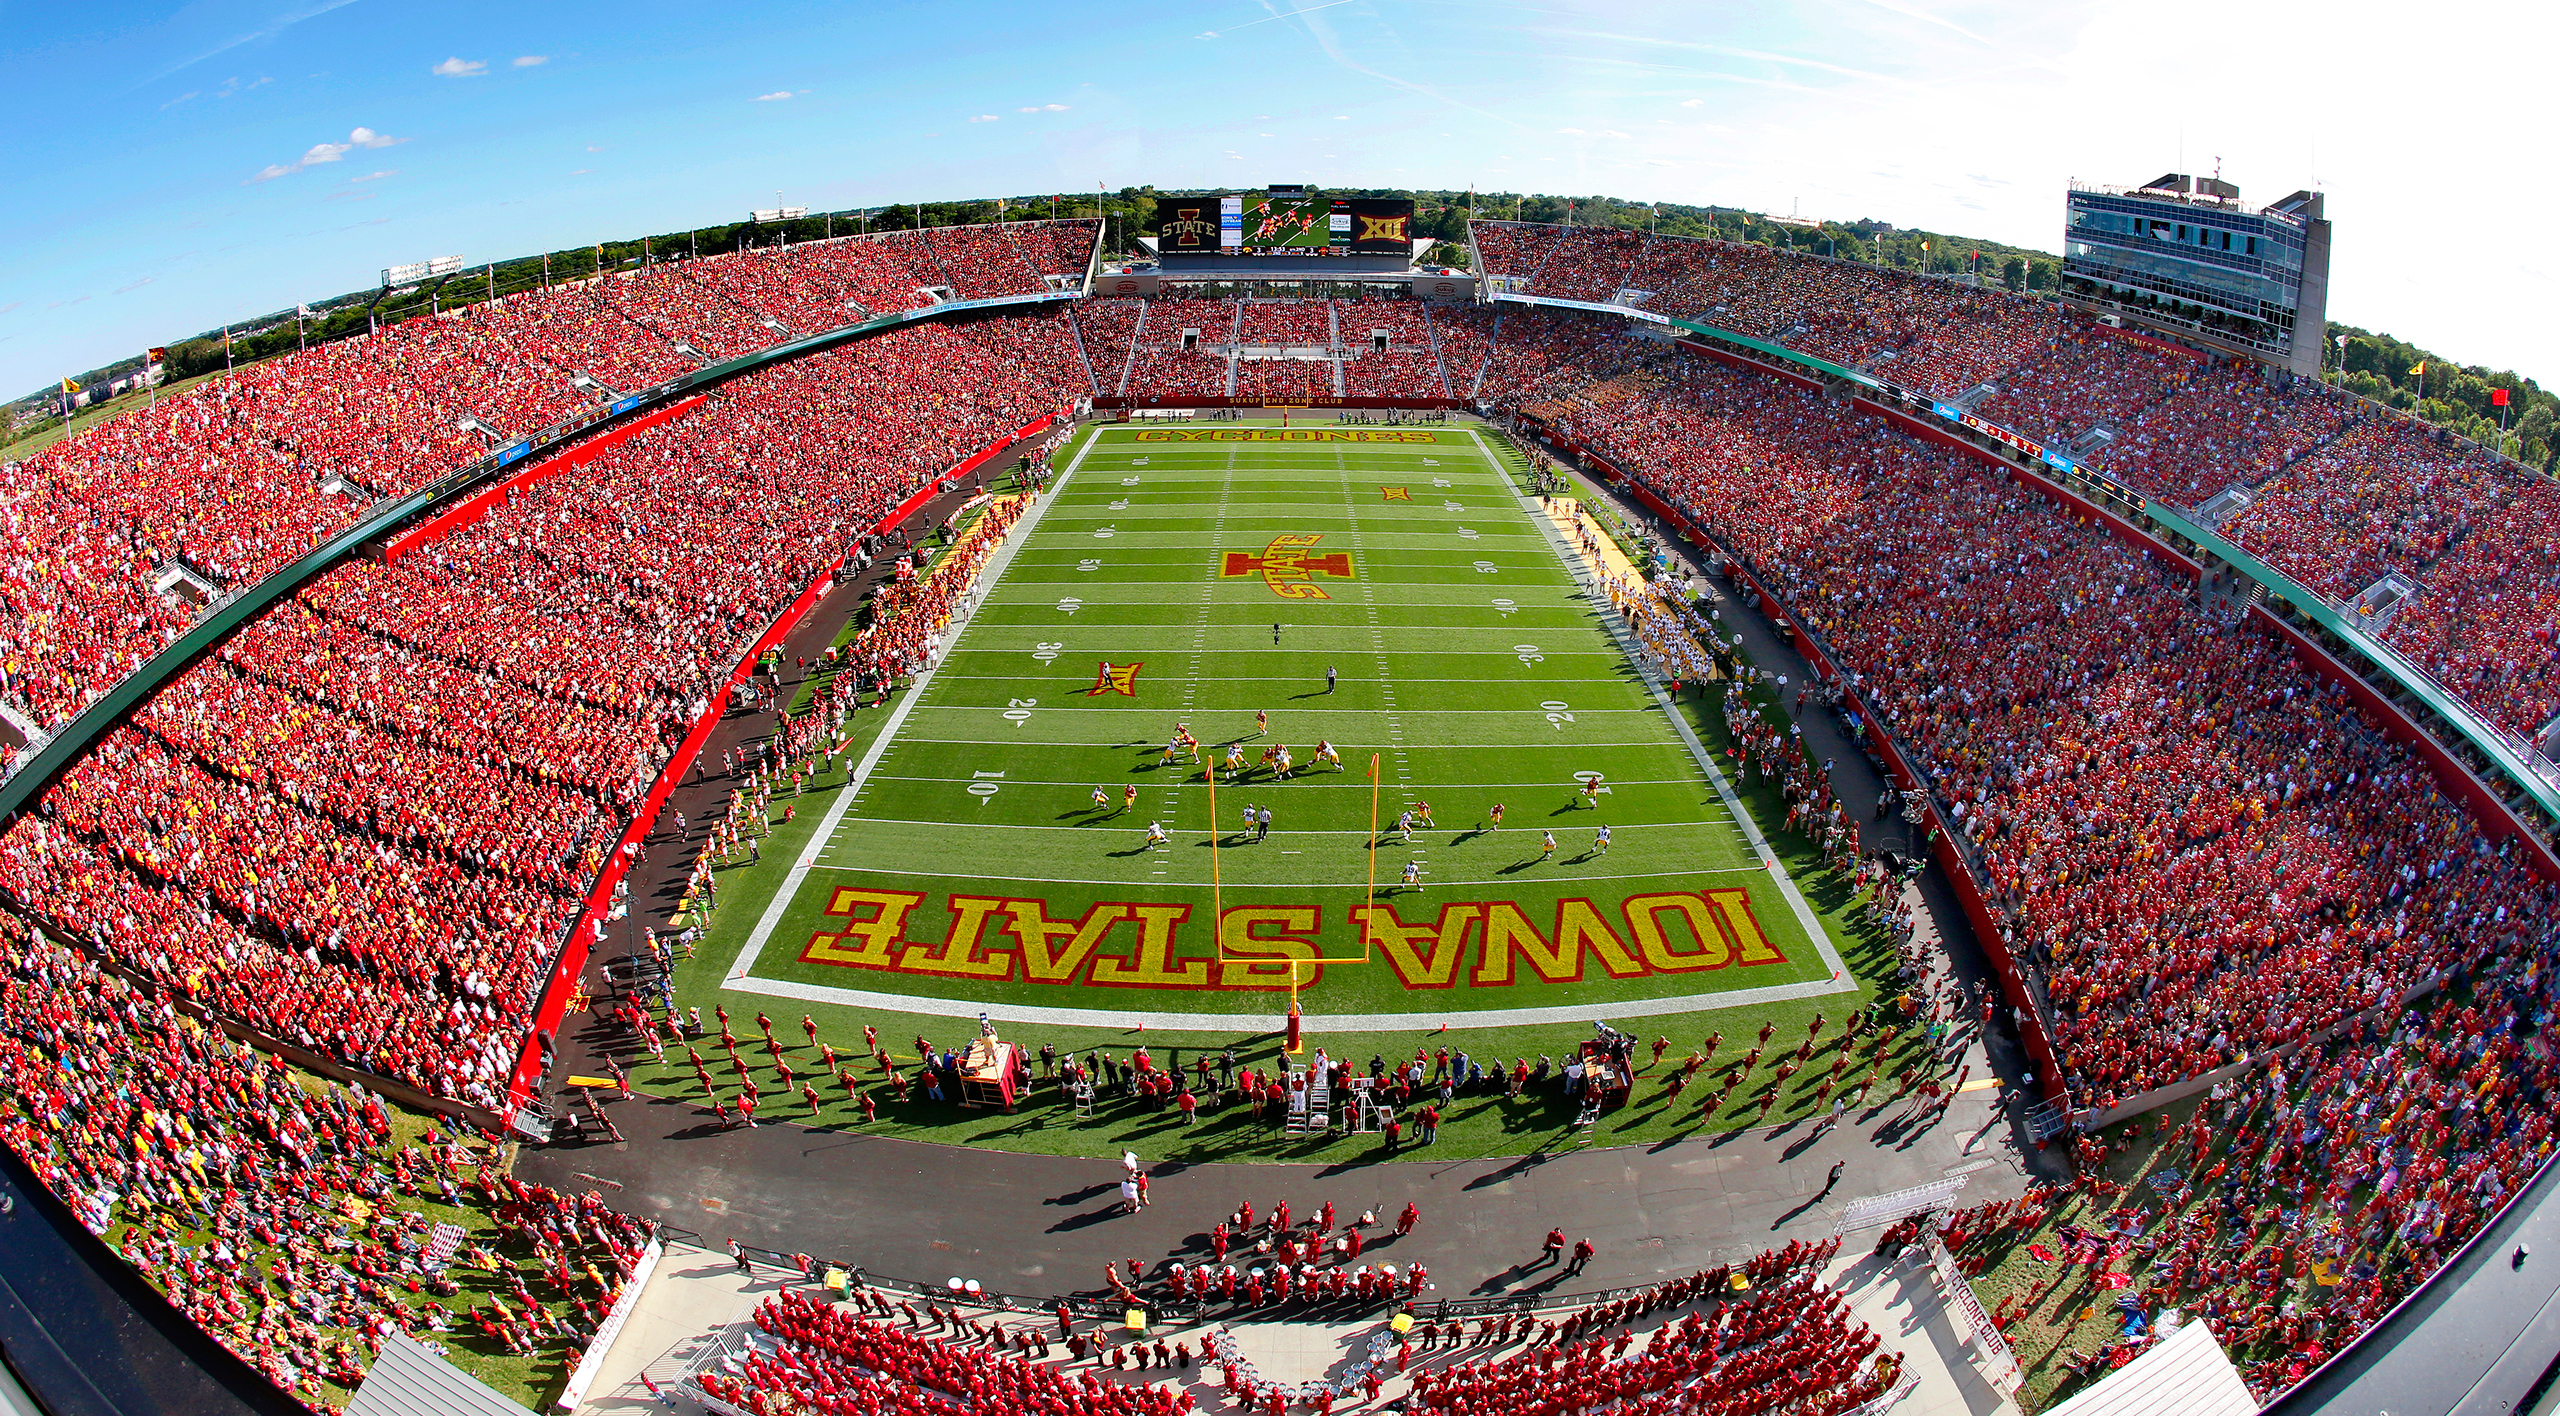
[1285, 566]
[1383, 228]
[1189, 227]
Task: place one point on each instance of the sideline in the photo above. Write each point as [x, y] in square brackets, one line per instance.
[1261, 1020]
[1840, 981]
[993, 573]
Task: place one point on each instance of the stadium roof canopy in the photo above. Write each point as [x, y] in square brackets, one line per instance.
[2186, 1374]
[410, 1380]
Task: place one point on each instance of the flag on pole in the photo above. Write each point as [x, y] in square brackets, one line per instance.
[69, 387]
[2497, 398]
[2419, 369]
[160, 356]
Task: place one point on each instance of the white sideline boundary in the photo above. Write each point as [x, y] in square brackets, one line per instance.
[1840, 981]
[992, 574]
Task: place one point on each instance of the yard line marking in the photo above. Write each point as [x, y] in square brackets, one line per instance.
[1336, 831]
[825, 834]
[1354, 886]
[1779, 875]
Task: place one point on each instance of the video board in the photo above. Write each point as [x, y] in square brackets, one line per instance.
[1283, 223]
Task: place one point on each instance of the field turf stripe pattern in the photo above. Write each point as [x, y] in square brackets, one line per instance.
[968, 866]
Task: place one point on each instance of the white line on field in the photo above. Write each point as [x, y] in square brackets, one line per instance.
[1706, 760]
[800, 868]
[1230, 1023]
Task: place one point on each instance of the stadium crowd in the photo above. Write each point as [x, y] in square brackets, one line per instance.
[2202, 850]
[829, 1359]
[266, 838]
[2290, 1207]
[226, 480]
[2341, 493]
[2210, 849]
[283, 1214]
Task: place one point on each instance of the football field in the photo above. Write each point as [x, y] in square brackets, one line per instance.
[956, 861]
[996, 851]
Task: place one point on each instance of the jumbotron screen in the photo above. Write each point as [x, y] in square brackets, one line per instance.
[1284, 224]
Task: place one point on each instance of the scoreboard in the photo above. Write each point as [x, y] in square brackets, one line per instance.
[1284, 222]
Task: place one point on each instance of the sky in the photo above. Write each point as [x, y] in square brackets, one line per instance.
[183, 166]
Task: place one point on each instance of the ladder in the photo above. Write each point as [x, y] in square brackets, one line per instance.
[1588, 1123]
[1364, 1107]
[1084, 1099]
[1315, 1117]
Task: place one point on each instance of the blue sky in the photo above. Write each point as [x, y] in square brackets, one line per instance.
[183, 166]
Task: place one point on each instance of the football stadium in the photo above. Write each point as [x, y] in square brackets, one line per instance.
[1281, 799]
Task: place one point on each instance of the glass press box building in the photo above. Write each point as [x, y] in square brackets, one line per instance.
[2183, 255]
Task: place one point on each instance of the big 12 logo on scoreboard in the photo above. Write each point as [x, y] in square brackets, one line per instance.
[1379, 226]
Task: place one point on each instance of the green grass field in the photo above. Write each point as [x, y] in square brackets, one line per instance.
[970, 868]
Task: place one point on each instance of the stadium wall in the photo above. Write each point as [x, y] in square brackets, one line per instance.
[470, 510]
[1757, 366]
[570, 962]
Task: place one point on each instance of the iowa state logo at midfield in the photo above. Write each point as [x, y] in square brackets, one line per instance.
[1285, 566]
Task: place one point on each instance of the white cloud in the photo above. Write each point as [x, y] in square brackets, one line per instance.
[1055, 107]
[460, 68]
[1692, 102]
[777, 96]
[1342, 117]
[376, 176]
[1571, 132]
[984, 118]
[1043, 108]
[527, 61]
[319, 153]
[595, 147]
[1611, 133]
